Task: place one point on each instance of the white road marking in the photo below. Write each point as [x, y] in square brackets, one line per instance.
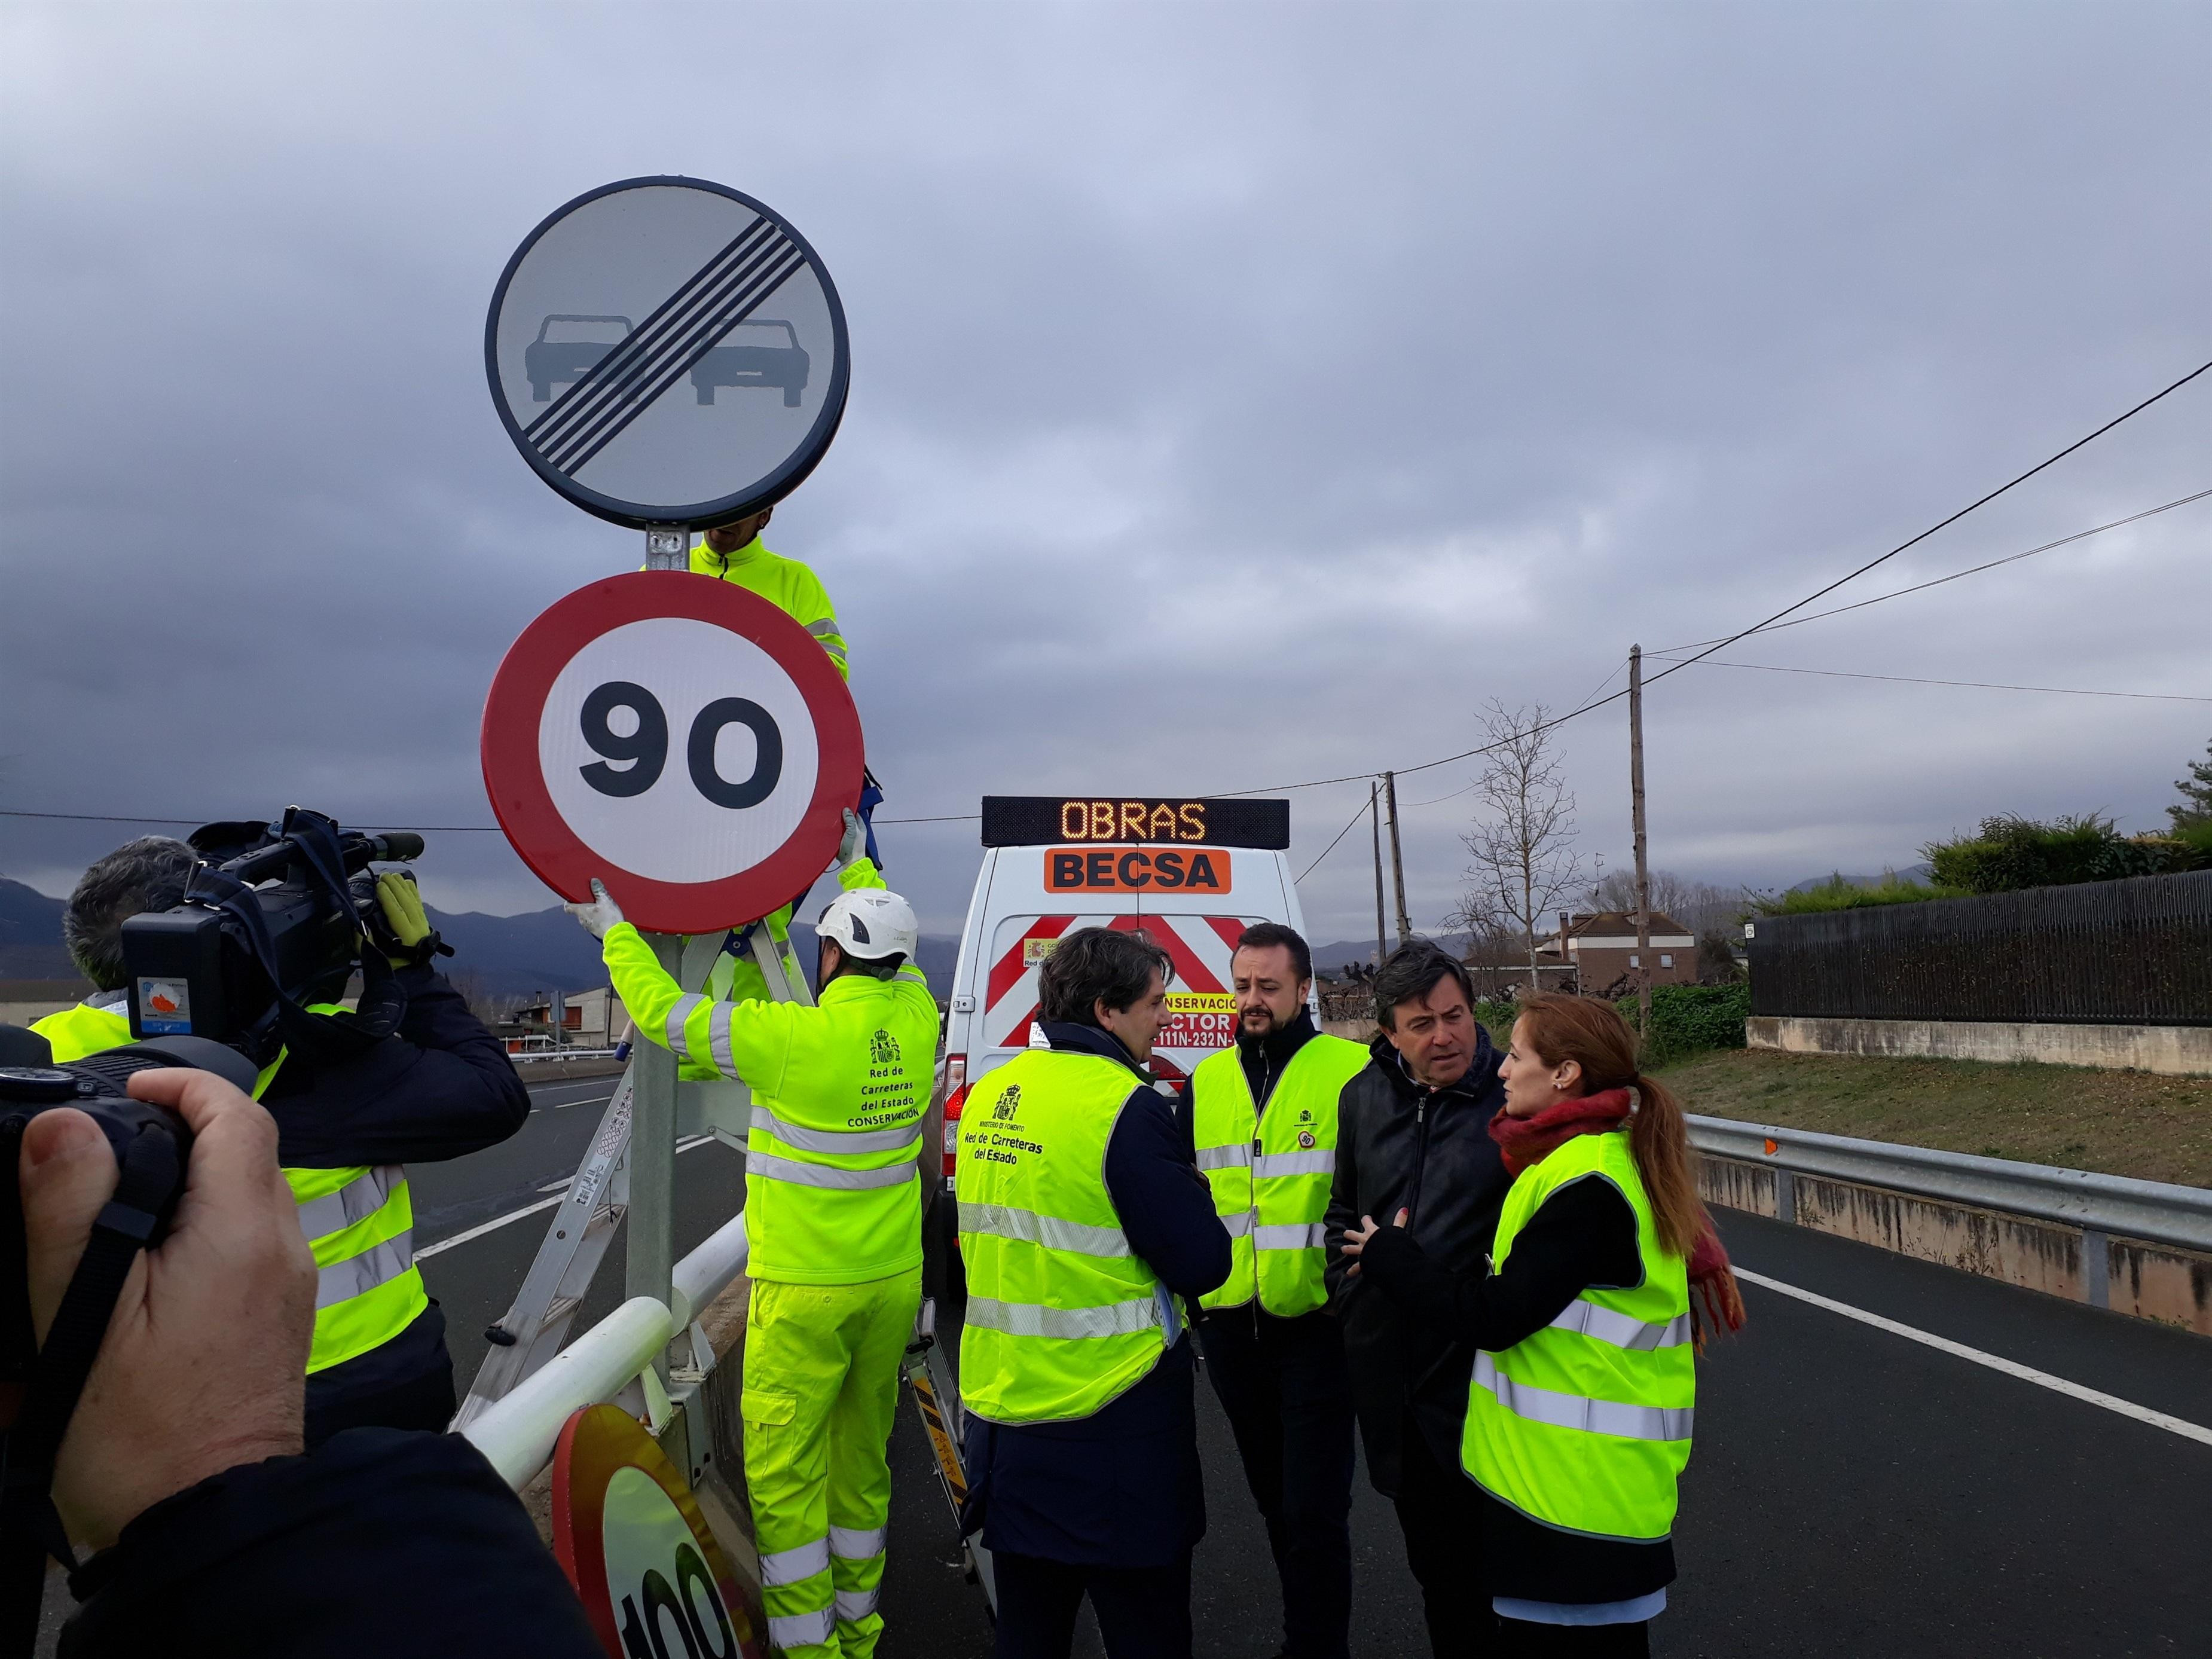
[2186, 1430]
[499, 1221]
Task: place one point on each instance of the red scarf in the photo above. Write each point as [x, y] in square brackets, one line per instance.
[1525, 1142]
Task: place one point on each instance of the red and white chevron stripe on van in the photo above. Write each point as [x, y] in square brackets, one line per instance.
[1200, 945]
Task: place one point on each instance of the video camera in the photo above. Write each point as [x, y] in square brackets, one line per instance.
[281, 914]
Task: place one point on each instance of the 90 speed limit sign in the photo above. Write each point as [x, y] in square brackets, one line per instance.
[680, 739]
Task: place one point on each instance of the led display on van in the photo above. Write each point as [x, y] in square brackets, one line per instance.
[1043, 820]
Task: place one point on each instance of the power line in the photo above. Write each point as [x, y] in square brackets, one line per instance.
[424, 829]
[1675, 665]
[1971, 570]
[2049, 461]
[1331, 848]
[1979, 685]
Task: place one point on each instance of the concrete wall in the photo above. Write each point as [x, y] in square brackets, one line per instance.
[2170, 1050]
[2149, 1281]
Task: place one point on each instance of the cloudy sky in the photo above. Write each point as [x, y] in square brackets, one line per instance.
[1242, 395]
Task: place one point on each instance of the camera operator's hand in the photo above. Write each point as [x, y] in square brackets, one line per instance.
[401, 901]
[599, 915]
[204, 1363]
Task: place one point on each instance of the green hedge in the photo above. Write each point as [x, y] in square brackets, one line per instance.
[1685, 1018]
[2011, 852]
[1838, 893]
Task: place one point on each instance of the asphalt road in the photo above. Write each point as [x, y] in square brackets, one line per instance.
[1854, 1492]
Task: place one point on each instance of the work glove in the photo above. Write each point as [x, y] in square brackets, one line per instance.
[407, 938]
[601, 914]
[855, 843]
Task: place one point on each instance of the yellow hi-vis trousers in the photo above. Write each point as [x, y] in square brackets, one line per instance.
[821, 1387]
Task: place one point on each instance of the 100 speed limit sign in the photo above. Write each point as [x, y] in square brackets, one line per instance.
[680, 739]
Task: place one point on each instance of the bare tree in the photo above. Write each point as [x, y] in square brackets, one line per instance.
[1523, 843]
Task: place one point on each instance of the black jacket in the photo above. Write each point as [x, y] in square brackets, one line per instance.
[1582, 1235]
[440, 1087]
[1122, 1487]
[1402, 1146]
[378, 1545]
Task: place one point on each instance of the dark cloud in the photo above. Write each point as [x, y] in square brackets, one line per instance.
[1241, 395]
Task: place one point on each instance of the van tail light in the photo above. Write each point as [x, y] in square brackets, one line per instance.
[956, 1096]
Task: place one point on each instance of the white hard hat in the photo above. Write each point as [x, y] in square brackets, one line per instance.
[870, 924]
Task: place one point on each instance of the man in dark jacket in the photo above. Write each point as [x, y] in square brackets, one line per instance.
[1414, 1136]
[438, 1087]
[1100, 1492]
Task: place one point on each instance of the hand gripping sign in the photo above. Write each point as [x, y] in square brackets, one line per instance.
[679, 737]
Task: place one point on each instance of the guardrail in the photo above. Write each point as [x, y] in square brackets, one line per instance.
[518, 1434]
[565, 1054]
[2117, 1205]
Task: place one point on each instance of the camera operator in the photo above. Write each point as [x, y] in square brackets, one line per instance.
[439, 1087]
[182, 1463]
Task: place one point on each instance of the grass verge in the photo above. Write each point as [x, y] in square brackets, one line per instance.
[2127, 1123]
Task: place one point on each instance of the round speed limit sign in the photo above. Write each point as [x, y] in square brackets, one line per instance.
[680, 739]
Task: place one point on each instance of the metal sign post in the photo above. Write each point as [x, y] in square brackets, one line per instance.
[668, 355]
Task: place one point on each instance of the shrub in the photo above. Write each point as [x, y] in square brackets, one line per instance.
[1687, 1018]
[2010, 853]
[1496, 1019]
[1838, 893]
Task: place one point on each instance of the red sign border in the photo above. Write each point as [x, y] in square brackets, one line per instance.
[612, 1439]
[524, 807]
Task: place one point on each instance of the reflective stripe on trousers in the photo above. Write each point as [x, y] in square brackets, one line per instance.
[1621, 1329]
[801, 1630]
[789, 1566]
[1571, 1411]
[1034, 1319]
[1005, 1221]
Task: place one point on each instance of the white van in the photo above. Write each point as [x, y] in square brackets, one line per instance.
[1192, 873]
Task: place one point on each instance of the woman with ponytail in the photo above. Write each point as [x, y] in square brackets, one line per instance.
[1605, 1280]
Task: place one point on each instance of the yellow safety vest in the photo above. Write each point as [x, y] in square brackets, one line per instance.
[1063, 1317]
[1270, 1172]
[359, 1220]
[787, 584]
[832, 1188]
[1585, 1424]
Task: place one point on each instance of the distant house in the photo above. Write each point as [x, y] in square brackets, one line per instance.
[23, 1000]
[1599, 950]
[588, 1019]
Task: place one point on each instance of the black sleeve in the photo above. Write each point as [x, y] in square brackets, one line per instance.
[379, 1543]
[1583, 1234]
[1165, 1205]
[1186, 1122]
[440, 1087]
[1343, 1194]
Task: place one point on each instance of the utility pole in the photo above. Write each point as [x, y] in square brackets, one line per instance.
[1374, 818]
[1397, 864]
[1642, 869]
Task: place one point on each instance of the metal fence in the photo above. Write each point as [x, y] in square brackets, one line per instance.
[2134, 952]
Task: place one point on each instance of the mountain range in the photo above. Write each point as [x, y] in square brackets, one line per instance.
[493, 957]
